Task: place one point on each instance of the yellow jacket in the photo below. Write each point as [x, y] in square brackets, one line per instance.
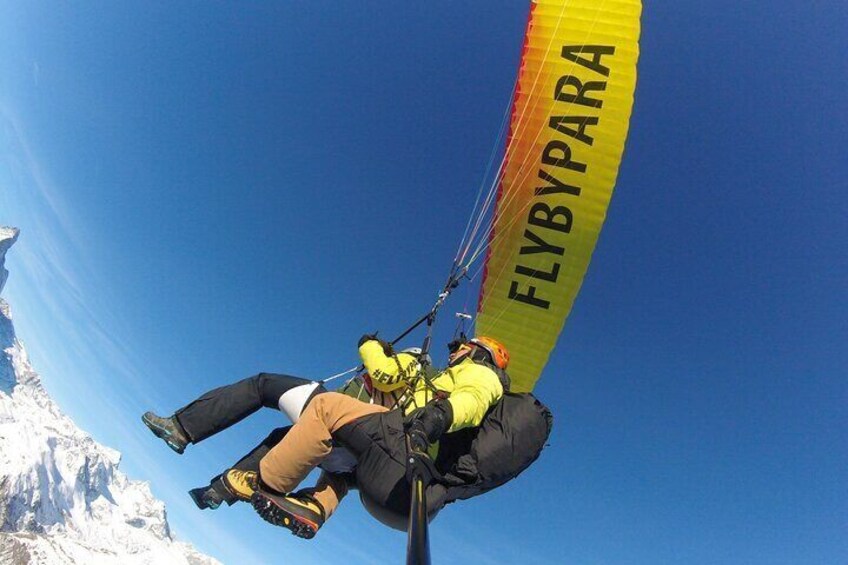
[472, 388]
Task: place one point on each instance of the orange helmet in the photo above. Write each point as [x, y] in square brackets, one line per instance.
[499, 354]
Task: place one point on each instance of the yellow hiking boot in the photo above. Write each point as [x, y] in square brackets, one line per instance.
[298, 512]
[242, 484]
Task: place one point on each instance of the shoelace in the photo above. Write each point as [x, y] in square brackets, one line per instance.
[306, 498]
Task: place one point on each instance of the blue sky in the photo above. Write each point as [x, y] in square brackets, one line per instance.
[206, 191]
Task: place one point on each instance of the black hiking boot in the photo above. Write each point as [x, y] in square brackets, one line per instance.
[167, 429]
[212, 495]
[298, 512]
[206, 497]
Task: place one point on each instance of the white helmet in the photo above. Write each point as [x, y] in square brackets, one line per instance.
[416, 351]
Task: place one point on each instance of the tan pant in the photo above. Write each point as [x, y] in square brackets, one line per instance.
[308, 442]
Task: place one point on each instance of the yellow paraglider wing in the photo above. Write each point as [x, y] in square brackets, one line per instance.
[569, 121]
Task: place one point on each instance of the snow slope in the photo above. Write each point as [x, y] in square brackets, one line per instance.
[62, 497]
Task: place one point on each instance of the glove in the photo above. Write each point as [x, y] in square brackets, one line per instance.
[366, 337]
[427, 425]
[418, 439]
[387, 347]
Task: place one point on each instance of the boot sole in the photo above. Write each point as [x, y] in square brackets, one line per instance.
[269, 511]
[163, 434]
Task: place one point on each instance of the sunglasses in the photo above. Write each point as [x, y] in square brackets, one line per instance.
[457, 344]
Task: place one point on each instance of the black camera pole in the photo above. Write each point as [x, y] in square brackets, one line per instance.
[418, 535]
[418, 532]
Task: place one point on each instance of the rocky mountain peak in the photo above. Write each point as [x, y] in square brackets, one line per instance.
[8, 236]
[62, 497]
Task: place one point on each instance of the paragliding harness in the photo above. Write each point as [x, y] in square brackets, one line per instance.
[511, 436]
[475, 460]
[470, 461]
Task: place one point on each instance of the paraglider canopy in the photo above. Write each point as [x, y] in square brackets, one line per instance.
[570, 116]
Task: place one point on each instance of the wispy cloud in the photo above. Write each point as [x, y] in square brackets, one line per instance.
[54, 261]
[83, 343]
[84, 347]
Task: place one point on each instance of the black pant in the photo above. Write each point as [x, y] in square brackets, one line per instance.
[222, 407]
[377, 441]
[250, 462]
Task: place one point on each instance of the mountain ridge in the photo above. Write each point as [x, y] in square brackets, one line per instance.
[62, 495]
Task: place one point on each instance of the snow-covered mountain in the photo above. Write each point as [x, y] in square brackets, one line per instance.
[62, 497]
